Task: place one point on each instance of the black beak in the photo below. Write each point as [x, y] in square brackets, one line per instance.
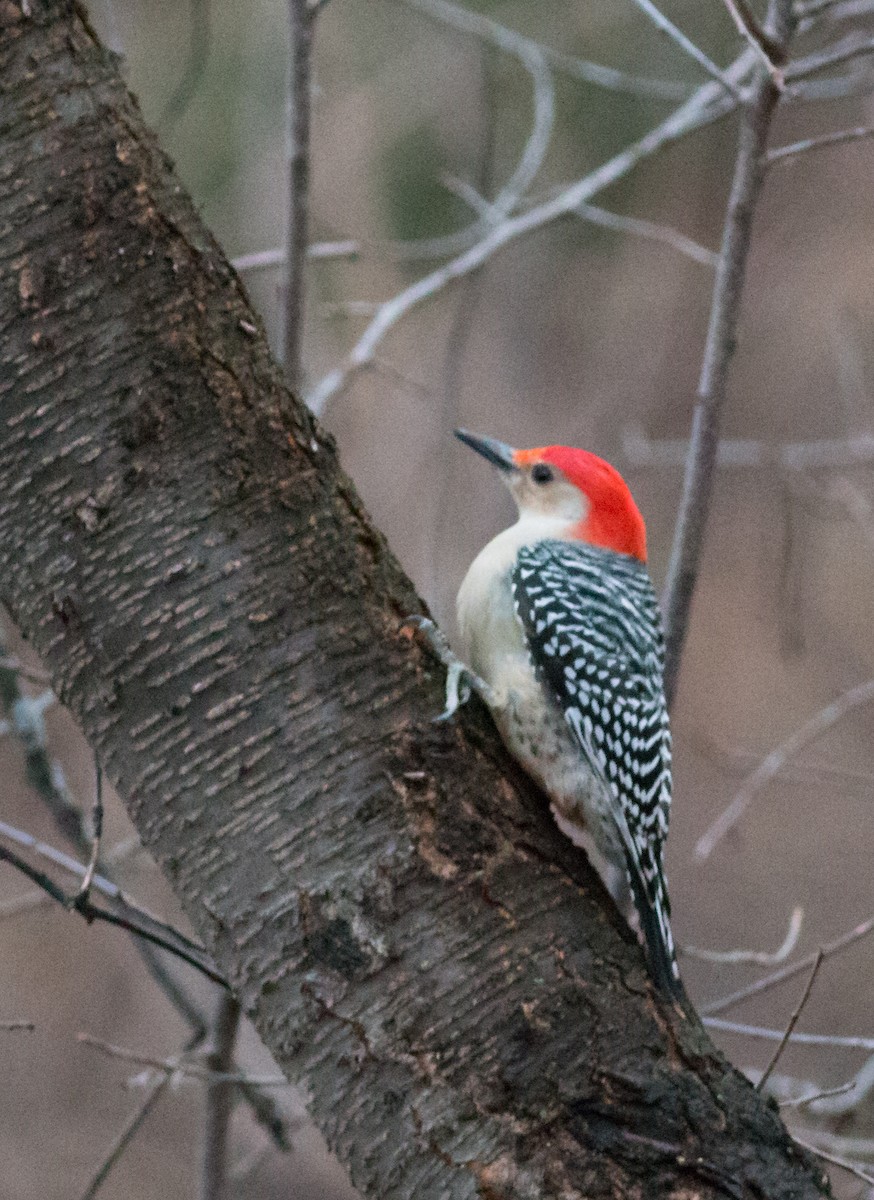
[498, 453]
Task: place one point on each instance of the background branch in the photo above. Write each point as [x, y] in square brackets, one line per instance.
[721, 338]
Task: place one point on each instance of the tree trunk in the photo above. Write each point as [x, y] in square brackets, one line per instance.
[416, 943]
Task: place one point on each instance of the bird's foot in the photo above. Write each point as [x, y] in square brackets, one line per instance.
[460, 679]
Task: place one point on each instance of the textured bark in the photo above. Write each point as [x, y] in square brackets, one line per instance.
[416, 943]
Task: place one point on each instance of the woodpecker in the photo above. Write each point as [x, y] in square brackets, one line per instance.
[563, 641]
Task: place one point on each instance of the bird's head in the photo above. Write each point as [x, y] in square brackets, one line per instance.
[582, 493]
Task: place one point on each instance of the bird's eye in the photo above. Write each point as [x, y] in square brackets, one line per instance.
[541, 473]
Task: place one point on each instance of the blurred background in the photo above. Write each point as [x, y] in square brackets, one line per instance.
[577, 333]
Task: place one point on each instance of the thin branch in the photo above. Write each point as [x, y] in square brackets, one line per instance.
[861, 1085]
[760, 958]
[688, 47]
[46, 777]
[130, 1130]
[707, 105]
[793, 1021]
[12, 1026]
[843, 1163]
[850, 48]
[474, 23]
[772, 54]
[782, 153]
[859, 81]
[771, 766]
[790, 971]
[298, 121]
[721, 337]
[825, 1094]
[533, 58]
[615, 81]
[835, 10]
[797, 1039]
[130, 917]
[219, 1100]
[847, 1145]
[651, 230]
[262, 260]
[180, 1065]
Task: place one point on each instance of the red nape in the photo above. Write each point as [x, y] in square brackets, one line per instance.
[614, 521]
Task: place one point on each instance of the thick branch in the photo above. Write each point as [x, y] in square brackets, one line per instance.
[413, 938]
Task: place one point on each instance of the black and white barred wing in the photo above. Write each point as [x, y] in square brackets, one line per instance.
[593, 629]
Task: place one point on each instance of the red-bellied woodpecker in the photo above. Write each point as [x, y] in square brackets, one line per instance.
[563, 639]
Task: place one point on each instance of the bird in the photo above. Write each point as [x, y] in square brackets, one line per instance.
[563, 641]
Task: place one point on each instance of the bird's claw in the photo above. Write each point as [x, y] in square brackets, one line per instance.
[461, 681]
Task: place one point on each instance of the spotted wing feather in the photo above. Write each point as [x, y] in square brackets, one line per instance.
[593, 630]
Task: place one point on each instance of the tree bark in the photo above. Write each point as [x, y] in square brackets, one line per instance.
[416, 943]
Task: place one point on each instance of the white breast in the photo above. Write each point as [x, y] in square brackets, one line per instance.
[493, 640]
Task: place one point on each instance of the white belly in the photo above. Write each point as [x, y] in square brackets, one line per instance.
[530, 722]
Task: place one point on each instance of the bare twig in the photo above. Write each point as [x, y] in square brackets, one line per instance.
[721, 336]
[533, 58]
[835, 10]
[129, 916]
[758, 957]
[130, 1130]
[615, 81]
[772, 54]
[180, 1065]
[219, 1099]
[836, 1161]
[825, 1094]
[262, 260]
[46, 777]
[531, 55]
[851, 47]
[651, 230]
[797, 1039]
[793, 1021]
[12, 1026]
[858, 81]
[677, 36]
[707, 105]
[847, 1145]
[783, 153]
[298, 119]
[861, 1085]
[478, 25]
[790, 971]
[771, 766]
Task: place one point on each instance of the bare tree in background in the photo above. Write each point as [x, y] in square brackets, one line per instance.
[388, 900]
